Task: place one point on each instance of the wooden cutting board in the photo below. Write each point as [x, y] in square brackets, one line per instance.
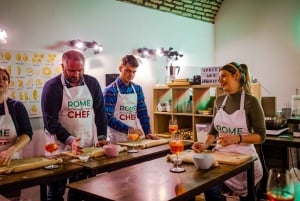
[20, 165]
[91, 151]
[145, 143]
[230, 158]
[221, 157]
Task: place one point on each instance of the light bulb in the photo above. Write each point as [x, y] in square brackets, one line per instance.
[159, 52]
[79, 44]
[3, 37]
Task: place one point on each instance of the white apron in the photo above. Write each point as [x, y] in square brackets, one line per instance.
[8, 135]
[235, 124]
[126, 112]
[77, 115]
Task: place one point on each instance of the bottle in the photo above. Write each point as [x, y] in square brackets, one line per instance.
[189, 107]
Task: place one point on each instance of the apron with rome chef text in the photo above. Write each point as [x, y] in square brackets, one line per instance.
[235, 124]
[8, 135]
[126, 112]
[77, 115]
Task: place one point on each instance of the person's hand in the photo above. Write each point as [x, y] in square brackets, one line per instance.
[140, 132]
[101, 143]
[225, 140]
[199, 147]
[76, 149]
[152, 136]
[5, 157]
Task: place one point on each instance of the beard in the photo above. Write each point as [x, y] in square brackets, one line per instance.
[74, 80]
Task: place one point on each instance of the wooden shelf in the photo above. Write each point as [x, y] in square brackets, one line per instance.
[185, 102]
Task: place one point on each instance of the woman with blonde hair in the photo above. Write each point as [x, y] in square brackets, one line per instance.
[237, 125]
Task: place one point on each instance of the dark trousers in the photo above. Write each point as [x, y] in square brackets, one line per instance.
[56, 190]
[215, 193]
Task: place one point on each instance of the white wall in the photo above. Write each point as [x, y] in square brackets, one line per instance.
[119, 27]
[265, 35]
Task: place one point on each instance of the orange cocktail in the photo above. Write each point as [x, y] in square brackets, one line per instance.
[176, 147]
[173, 128]
[133, 136]
[51, 148]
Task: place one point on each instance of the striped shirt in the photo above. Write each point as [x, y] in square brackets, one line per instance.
[110, 98]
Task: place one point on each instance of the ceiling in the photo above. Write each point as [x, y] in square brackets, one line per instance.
[203, 10]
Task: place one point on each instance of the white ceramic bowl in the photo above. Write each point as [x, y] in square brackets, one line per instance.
[84, 157]
[203, 161]
[111, 149]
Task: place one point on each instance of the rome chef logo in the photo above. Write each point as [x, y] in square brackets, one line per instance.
[127, 112]
[79, 109]
[4, 137]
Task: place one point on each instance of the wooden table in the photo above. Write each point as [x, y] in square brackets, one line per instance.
[18, 181]
[107, 164]
[41, 176]
[152, 180]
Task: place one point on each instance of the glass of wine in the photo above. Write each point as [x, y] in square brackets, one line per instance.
[280, 186]
[50, 148]
[173, 126]
[133, 136]
[176, 147]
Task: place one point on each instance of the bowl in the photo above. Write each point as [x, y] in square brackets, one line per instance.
[84, 157]
[203, 161]
[111, 149]
[274, 123]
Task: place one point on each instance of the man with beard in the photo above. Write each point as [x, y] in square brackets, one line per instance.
[73, 110]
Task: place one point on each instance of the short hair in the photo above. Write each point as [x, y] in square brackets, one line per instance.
[6, 72]
[130, 59]
[74, 55]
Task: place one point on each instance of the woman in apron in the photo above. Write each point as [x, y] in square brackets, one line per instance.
[15, 127]
[238, 124]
